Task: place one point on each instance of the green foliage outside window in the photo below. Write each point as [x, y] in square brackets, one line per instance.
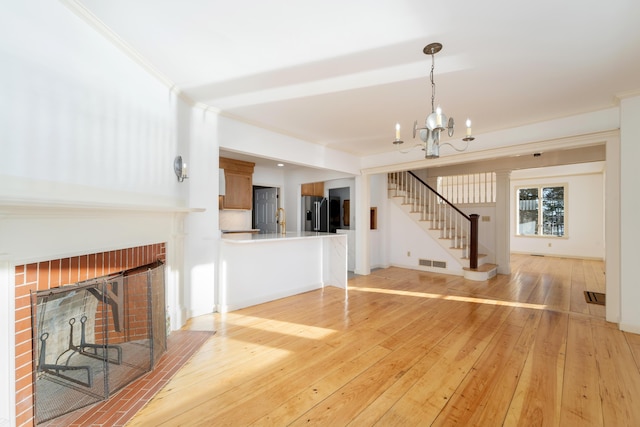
[541, 211]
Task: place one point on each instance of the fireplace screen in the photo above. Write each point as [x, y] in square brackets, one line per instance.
[92, 338]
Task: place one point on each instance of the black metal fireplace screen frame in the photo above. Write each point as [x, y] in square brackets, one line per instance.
[92, 338]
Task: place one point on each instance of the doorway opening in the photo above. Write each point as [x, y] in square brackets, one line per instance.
[339, 209]
[266, 201]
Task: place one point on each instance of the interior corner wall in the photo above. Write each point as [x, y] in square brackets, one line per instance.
[202, 234]
[379, 238]
[629, 208]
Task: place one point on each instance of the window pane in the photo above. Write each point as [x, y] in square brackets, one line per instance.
[553, 211]
[528, 211]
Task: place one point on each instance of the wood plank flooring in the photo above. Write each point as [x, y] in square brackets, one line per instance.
[415, 348]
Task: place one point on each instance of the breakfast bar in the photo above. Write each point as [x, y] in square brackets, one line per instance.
[256, 268]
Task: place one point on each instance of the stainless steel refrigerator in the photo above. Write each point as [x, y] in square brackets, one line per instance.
[315, 213]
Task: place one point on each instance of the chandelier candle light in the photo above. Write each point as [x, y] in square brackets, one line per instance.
[433, 124]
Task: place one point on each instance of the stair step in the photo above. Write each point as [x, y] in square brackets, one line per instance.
[482, 273]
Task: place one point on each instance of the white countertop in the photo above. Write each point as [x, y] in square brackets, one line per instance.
[290, 235]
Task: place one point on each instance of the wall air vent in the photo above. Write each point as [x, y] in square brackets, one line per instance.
[431, 263]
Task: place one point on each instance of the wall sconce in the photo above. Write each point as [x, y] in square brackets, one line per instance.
[180, 168]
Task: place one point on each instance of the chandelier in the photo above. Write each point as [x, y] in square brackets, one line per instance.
[436, 122]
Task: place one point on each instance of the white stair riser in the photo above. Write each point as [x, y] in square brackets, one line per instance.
[433, 226]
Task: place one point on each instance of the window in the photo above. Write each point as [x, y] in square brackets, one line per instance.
[541, 211]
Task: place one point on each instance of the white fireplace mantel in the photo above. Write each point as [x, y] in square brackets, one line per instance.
[34, 231]
[21, 208]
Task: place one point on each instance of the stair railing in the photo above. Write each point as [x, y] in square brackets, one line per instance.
[460, 228]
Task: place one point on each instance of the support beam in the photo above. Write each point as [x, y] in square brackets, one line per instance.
[503, 223]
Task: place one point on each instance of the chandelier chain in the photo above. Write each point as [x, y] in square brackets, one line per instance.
[433, 85]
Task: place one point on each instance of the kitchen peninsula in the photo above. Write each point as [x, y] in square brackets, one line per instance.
[256, 268]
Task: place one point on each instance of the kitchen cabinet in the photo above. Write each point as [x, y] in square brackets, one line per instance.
[238, 177]
[238, 191]
[312, 189]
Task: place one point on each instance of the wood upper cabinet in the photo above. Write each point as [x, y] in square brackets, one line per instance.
[312, 189]
[238, 176]
[238, 191]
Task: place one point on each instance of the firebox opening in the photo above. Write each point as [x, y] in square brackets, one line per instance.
[92, 338]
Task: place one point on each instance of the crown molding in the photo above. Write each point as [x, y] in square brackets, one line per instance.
[629, 94]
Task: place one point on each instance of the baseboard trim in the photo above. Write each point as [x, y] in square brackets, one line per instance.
[557, 255]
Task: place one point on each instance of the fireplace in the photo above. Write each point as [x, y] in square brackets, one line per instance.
[85, 327]
[94, 337]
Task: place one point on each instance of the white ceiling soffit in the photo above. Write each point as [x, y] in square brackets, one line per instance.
[342, 73]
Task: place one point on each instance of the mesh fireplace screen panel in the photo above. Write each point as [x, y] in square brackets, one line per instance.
[158, 323]
[93, 338]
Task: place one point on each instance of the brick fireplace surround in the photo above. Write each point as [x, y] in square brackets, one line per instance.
[51, 274]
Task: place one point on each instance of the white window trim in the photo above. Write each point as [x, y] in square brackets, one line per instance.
[540, 187]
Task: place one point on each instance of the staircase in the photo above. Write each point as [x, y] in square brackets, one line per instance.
[451, 228]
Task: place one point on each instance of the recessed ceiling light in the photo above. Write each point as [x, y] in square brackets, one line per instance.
[280, 165]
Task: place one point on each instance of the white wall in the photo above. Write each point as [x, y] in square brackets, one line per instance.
[409, 243]
[244, 138]
[584, 212]
[630, 206]
[201, 236]
[379, 238]
[269, 176]
[78, 116]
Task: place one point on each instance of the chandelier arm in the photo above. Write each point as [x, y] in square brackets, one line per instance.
[459, 150]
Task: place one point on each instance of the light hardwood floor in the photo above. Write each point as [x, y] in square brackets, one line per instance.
[415, 348]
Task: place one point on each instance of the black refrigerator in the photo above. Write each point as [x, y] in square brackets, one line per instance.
[315, 213]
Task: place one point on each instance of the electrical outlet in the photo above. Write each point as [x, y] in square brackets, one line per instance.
[486, 218]
[549, 244]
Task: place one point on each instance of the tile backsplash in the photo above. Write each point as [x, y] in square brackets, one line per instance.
[235, 220]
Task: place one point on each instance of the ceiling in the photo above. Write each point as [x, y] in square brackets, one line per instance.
[341, 73]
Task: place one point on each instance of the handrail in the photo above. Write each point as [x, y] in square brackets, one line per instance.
[440, 195]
